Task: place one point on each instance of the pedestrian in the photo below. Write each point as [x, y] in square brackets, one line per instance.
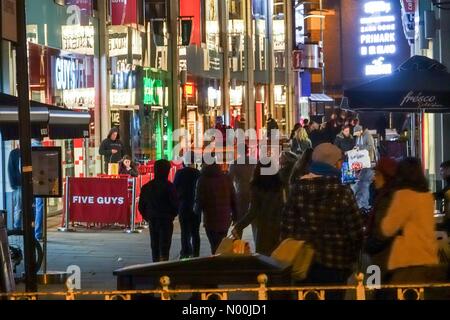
[409, 220]
[215, 199]
[443, 196]
[301, 167]
[323, 212]
[111, 148]
[241, 173]
[316, 135]
[294, 131]
[15, 180]
[375, 245]
[272, 128]
[128, 167]
[365, 141]
[158, 205]
[306, 125]
[332, 129]
[185, 183]
[344, 140]
[301, 142]
[266, 204]
[287, 162]
[38, 206]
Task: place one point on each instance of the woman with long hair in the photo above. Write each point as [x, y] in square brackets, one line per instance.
[267, 200]
[409, 221]
[301, 167]
[127, 166]
[301, 142]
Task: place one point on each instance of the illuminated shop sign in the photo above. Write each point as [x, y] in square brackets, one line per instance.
[118, 41]
[378, 37]
[123, 97]
[79, 98]
[69, 73]
[78, 39]
[153, 91]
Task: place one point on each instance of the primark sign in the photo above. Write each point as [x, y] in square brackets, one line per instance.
[378, 37]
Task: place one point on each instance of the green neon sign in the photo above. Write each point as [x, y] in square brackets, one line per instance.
[153, 91]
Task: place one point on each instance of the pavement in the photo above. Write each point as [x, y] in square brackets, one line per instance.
[98, 252]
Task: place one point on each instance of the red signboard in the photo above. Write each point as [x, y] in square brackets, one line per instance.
[99, 200]
[124, 12]
[192, 8]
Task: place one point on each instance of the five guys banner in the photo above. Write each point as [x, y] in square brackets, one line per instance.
[99, 200]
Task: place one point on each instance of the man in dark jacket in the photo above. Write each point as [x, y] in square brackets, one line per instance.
[323, 212]
[185, 183]
[111, 148]
[15, 179]
[215, 198]
[344, 140]
[159, 206]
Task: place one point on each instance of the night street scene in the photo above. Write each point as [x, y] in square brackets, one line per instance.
[240, 150]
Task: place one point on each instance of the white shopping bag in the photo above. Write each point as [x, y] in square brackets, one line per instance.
[358, 159]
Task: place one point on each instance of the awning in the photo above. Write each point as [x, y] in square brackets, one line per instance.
[418, 85]
[46, 120]
[320, 97]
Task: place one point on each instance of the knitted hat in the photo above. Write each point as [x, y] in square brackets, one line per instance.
[327, 153]
[357, 129]
[387, 167]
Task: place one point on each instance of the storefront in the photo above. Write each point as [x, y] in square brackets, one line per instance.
[66, 79]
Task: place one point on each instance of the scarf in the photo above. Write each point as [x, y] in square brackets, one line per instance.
[324, 169]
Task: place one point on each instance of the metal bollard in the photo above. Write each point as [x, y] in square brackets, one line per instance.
[66, 227]
[133, 211]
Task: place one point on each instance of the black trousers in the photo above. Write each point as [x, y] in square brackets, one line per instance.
[215, 238]
[190, 235]
[161, 231]
[322, 275]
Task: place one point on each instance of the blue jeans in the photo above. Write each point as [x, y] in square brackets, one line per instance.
[362, 188]
[17, 202]
[38, 217]
[38, 212]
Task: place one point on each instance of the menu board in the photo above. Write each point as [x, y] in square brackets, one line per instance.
[47, 172]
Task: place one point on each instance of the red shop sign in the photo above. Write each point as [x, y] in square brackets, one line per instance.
[99, 200]
[124, 12]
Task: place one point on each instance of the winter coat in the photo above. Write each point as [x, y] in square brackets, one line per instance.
[366, 142]
[265, 212]
[241, 175]
[344, 143]
[185, 183]
[410, 219]
[106, 148]
[158, 200]
[132, 172]
[298, 147]
[215, 198]
[323, 212]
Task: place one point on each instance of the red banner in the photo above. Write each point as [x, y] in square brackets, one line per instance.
[124, 12]
[409, 6]
[99, 200]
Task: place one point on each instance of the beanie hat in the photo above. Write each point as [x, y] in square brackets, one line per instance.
[327, 153]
